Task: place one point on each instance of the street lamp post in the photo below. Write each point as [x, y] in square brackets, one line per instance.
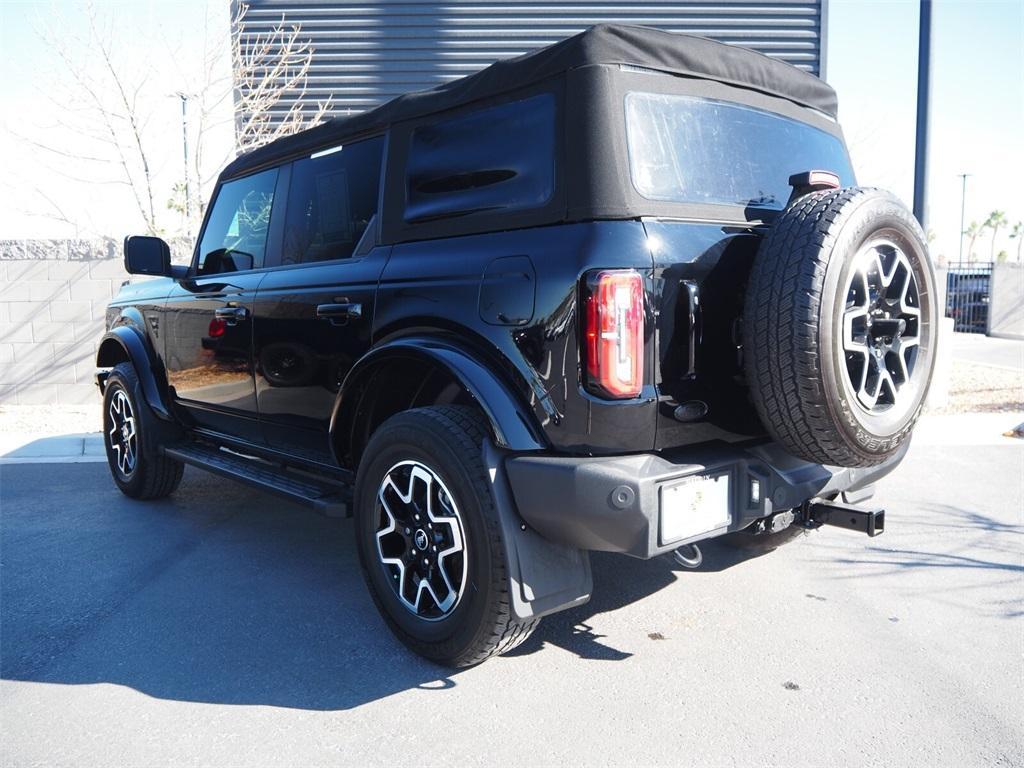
[184, 144]
[963, 204]
[924, 76]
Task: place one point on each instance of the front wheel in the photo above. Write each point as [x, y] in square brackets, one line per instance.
[429, 538]
[131, 440]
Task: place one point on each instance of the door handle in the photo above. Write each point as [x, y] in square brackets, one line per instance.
[230, 315]
[339, 311]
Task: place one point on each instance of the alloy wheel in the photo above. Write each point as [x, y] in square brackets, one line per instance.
[420, 540]
[881, 326]
[123, 435]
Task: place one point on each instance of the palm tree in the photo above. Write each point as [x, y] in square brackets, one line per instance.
[1017, 233]
[972, 232]
[995, 221]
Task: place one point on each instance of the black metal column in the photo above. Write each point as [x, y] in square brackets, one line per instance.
[924, 77]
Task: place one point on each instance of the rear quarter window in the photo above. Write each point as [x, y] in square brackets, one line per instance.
[500, 158]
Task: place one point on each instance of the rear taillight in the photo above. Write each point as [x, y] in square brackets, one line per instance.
[614, 340]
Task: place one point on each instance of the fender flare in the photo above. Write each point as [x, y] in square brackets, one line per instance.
[512, 424]
[140, 353]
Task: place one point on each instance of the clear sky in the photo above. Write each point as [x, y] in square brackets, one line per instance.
[977, 109]
[977, 115]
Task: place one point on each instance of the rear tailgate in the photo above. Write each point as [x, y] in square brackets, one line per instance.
[700, 277]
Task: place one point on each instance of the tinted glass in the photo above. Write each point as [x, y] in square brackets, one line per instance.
[498, 158]
[689, 150]
[331, 199]
[235, 237]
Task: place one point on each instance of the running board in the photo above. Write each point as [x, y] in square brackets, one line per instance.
[326, 498]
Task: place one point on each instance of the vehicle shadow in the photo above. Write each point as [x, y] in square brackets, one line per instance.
[980, 551]
[221, 595]
[216, 595]
[620, 580]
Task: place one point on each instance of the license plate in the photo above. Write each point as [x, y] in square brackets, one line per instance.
[693, 506]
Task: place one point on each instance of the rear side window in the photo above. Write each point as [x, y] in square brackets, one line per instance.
[332, 198]
[691, 150]
[235, 237]
[501, 158]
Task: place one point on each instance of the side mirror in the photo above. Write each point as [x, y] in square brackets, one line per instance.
[145, 255]
[226, 260]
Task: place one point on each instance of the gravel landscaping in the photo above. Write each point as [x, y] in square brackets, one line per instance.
[976, 388]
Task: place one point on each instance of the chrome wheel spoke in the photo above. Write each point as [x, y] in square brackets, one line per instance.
[855, 329]
[904, 350]
[420, 540]
[908, 302]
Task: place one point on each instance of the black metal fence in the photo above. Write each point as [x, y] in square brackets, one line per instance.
[968, 286]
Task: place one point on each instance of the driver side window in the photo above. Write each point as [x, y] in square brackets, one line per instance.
[235, 237]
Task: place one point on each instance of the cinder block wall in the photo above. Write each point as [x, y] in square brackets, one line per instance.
[53, 297]
[51, 320]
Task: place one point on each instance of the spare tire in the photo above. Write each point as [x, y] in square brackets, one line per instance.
[840, 325]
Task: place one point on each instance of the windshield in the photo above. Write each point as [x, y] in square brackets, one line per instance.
[690, 150]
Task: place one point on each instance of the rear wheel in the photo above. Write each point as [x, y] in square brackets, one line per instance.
[131, 439]
[429, 538]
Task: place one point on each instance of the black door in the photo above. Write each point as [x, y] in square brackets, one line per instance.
[208, 336]
[313, 313]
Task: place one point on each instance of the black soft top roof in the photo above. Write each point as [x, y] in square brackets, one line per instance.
[604, 44]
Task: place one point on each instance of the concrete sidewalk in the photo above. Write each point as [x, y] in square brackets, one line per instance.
[28, 448]
[968, 429]
[987, 350]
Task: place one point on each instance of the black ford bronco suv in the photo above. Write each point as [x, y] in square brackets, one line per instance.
[619, 294]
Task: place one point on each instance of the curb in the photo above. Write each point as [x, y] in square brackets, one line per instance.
[26, 448]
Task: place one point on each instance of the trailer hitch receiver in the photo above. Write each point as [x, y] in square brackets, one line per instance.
[869, 521]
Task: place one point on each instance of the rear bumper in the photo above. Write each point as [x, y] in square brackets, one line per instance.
[614, 504]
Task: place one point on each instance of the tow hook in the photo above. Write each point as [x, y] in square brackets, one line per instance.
[688, 556]
[869, 521]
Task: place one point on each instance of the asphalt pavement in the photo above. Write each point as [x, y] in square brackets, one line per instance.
[224, 627]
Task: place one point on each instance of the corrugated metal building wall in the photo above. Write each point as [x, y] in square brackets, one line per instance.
[367, 52]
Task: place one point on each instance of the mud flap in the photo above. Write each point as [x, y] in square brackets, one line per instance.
[545, 577]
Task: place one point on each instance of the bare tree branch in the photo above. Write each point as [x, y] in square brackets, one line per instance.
[271, 74]
[56, 151]
[130, 115]
[108, 120]
[255, 81]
